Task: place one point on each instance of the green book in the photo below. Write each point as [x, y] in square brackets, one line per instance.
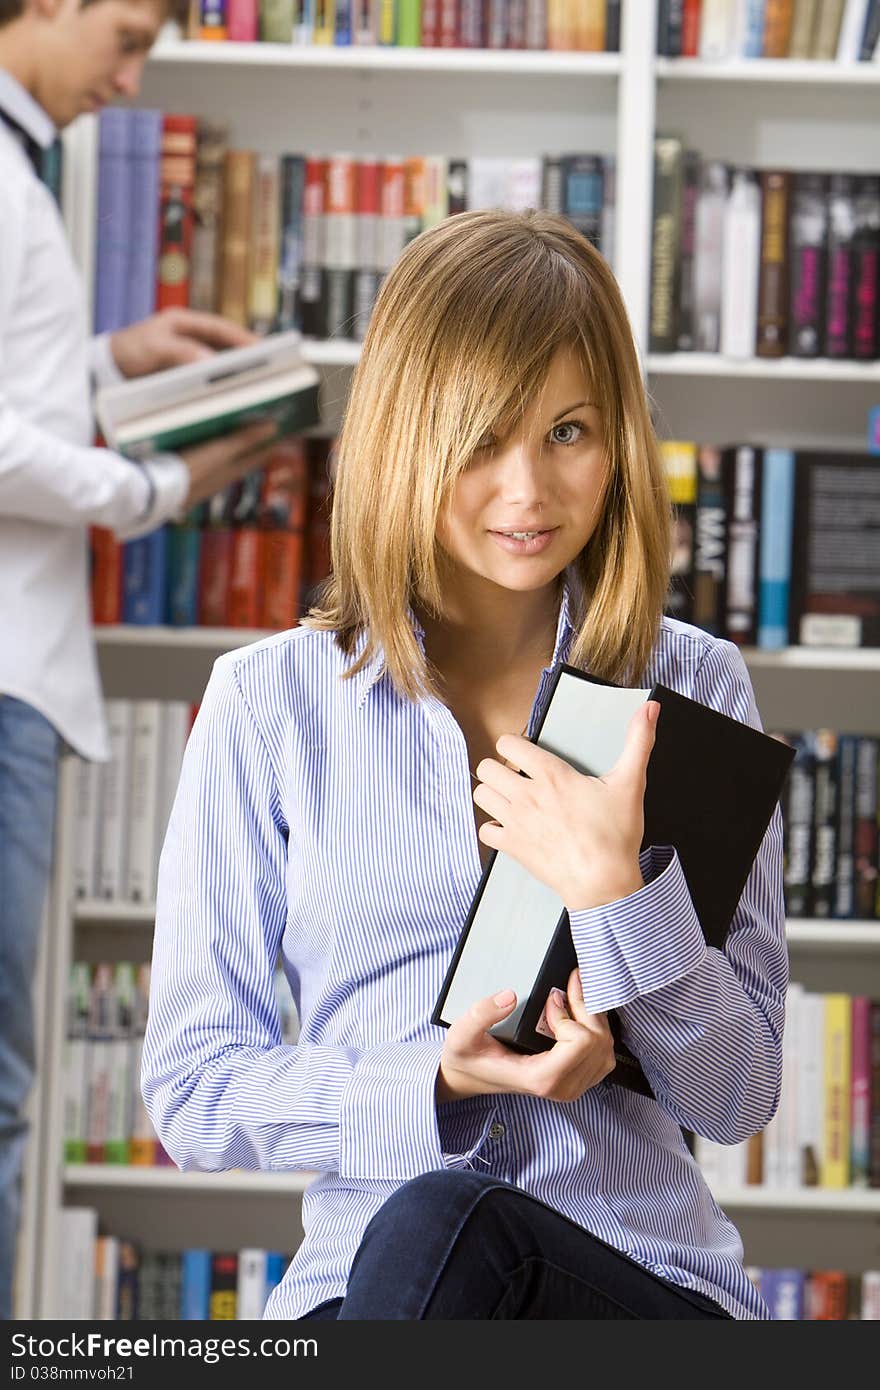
[409, 23]
[201, 400]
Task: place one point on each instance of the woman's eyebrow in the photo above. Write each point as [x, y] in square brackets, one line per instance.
[569, 408]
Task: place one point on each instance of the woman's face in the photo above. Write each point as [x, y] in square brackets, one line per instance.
[547, 478]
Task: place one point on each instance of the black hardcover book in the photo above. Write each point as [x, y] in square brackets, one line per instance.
[825, 822]
[797, 811]
[808, 253]
[712, 787]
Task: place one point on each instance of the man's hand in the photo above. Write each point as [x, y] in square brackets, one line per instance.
[219, 462]
[173, 337]
[474, 1063]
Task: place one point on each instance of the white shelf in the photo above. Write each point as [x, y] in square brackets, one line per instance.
[822, 934]
[809, 369]
[331, 352]
[164, 1179]
[770, 70]
[127, 914]
[814, 658]
[845, 1201]
[384, 59]
[222, 639]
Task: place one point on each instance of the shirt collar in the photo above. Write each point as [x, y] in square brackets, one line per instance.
[20, 105]
[372, 673]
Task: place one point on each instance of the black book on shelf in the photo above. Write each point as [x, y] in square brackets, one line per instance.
[711, 789]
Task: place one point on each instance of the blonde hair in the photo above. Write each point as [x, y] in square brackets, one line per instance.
[461, 336]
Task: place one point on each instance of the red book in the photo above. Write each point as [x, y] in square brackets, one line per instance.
[244, 597]
[449, 23]
[177, 172]
[826, 1296]
[320, 492]
[215, 559]
[283, 511]
[242, 21]
[106, 577]
[690, 29]
[431, 23]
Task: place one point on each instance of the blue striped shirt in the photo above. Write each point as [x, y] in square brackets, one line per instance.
[333, 822]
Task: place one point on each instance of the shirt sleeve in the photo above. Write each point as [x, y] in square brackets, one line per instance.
[221, 1088]
[47, 479]
[103, 370]
[705, 1024]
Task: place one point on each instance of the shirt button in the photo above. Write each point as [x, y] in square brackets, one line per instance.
[496, 1131]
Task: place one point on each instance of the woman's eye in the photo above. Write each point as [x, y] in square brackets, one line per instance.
[569, 432]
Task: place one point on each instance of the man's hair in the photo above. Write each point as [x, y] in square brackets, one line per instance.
[460, 340]
[14, 9]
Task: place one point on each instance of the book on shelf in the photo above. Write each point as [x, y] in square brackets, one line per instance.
[712, 786]
[200, 400]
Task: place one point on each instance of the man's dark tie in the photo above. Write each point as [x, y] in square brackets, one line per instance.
[30, 146]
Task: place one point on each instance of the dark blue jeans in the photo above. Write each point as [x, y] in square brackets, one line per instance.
[465, 1245]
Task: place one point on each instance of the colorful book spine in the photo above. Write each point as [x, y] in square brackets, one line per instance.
[772, 323]
[799, 831]
[144, 576]
[841, 223]
[75, 1114]
[114, 227]
[774, 557]
[866, 267]
[290, 251]
[844, 835]
[265, 227]
[808, 250]
[177, 172]
[777, 28]
[824, 822]
[146, 147]
[235, 238]
[866, 828]
[243, 20]
[409, 23]
[211, 143]
[834, 1170]
[212, 20]
[195, 1285]
[665, 243]
[860, 1092]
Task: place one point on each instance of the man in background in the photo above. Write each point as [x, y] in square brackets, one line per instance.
[59, 58]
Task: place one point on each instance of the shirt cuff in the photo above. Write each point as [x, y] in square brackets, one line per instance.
[167, 487]
[102, 364]
[640, 943]
[388, 1114]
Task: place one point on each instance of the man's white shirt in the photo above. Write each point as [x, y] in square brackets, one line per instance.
[53, 486]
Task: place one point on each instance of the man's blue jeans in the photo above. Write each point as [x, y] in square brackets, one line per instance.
[29, 750]
[465, 1245]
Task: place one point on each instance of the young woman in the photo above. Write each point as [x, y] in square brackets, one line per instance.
[499, 507]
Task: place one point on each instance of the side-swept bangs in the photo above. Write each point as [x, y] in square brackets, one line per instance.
[460, 342]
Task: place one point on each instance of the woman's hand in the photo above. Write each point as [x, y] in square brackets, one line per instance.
[172, 338]
[580, 835]
[473, 1063]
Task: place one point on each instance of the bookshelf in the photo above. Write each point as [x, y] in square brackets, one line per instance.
[383, 101]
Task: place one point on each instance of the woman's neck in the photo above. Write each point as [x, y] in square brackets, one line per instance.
[498, 637]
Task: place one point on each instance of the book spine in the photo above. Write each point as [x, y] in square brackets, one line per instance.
[871, 32]
[251, 1290]
[811, 1088]
[74, 1085]
[834, 1170]
[85, 844]
[275, 21]
[98, 1064]
[783, 1292]
[317, 546]
[325, 21]
[77, 1237]
[212, 21]
[144, 598]
[742, 258]
[582, 194]
[290, 251]
[184, 556]
[119, 1092]
[128, 1282]
[710, 542]
[392, 224]
[778, 16]
[865, 831]
[680, 467]
[690, 29]
[340, 245]
[195, 1285]
[801, 795]
[367, 273]
[145, 751]
[142, 1146]
[409, 23]
[115, 793]
[690, 191]
[263, 278]
[665, 242]
[243, 20]
[774, 559]
[792, 1047]
[283, 511]
[749, 27]
[235, 235]
[146, 148]
[874, 1139]
[716, 30]
[800, 43]
[709, 254]
[824, 822]
[808, 257]
[106, 580]
[313, 248]
[670, 22]
[114, 227]
[841, 224]
[177, 172]
[430, 31]
[245, 567]
[772, 328]
[222, 1290]
[852, 24]
[449, 23]
[608, 235]
[866, 260]
[208, 197]
[844, 868]
[106, 1276]
[743, 513]
[860, 1092]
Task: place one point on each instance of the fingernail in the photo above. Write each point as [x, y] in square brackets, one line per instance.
[653, 711]
[558, 998]
[506, 997]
